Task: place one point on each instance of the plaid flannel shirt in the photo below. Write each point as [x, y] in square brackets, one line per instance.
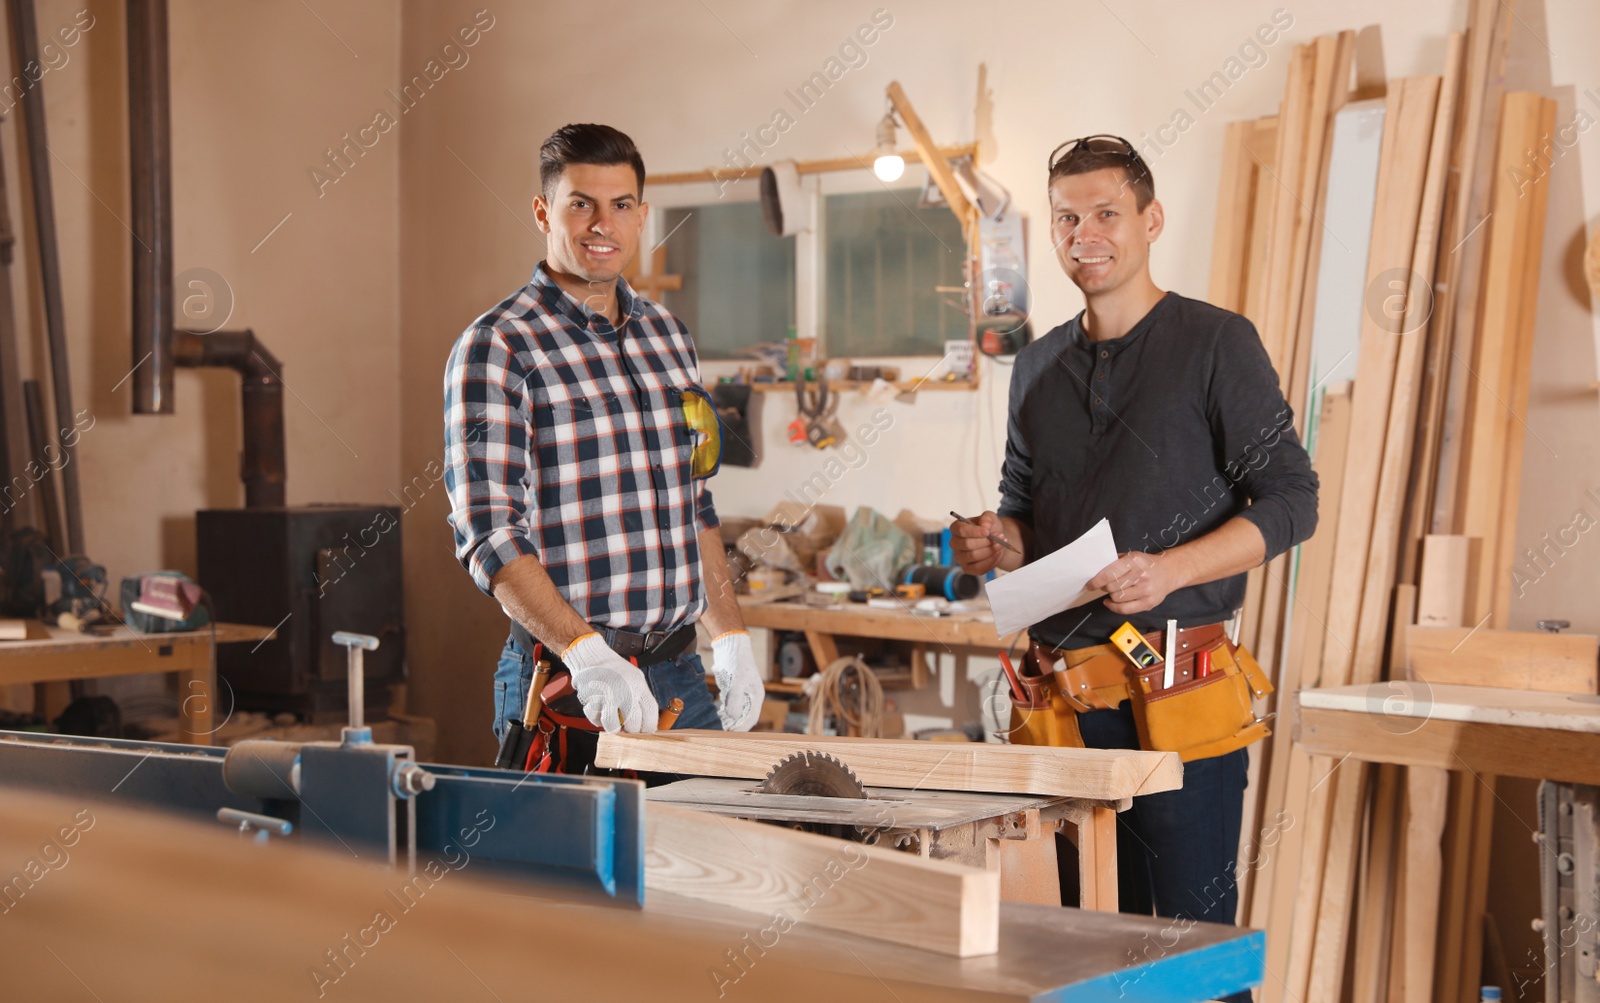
[564, 439]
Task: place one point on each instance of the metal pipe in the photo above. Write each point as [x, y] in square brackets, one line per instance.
[25, 46]
[39, 442]
[263, 467]
[13, 419]
[150, 164]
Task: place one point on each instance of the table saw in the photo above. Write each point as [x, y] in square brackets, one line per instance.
[584, 850]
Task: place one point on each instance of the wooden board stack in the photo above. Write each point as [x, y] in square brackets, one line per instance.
[1359, 898]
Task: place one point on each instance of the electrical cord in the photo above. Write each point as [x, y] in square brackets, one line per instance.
[865, 719]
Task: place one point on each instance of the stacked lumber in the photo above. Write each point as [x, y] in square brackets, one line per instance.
[1420, 458]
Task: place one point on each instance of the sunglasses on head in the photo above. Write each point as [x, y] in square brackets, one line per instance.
[1102, 143]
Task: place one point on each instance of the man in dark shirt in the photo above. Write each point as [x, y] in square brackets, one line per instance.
[1163, 415]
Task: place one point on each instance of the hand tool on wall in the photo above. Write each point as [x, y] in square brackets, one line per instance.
[815, 423]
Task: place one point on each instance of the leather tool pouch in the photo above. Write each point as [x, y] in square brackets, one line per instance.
[1046, 717]
[1200, 718]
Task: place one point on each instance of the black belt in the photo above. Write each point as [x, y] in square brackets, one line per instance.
[647, 648]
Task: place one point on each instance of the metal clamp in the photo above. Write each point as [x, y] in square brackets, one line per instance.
[1554, 626]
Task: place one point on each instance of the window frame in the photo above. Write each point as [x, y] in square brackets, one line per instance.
[810, 269]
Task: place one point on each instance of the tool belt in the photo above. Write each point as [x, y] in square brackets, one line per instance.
[1196, 718]
[644, 648]
[563, 740]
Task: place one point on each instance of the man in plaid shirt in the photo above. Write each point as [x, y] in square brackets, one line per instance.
[571, 468]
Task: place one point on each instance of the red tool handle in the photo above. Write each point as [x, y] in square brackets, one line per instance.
[1011, 674]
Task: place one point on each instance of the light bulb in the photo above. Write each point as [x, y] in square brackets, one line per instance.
[889, 167]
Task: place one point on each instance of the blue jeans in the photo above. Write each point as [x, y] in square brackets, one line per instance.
[683, 677]
[1177, 851]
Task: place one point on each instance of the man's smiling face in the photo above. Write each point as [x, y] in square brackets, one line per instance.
[1101, 238]
[594, 219]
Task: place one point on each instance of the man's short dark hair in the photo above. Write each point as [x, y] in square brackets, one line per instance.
[1098, 153]
[586, 143]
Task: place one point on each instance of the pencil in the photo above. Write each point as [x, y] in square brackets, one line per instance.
[994, 538]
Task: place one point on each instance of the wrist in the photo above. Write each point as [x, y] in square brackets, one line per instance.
[1178, 568]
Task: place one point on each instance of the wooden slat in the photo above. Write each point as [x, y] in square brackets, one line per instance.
[803, 167]
[1294, 118]
[766, 869]
[1262, 146]
[1426, 787]
[1309, 612]
[1230, 244]
[1508, 659]
[1380, 403]
[928, 150]
[1448, 564]
[1488, 426]
[1540, 122]
[1460, 278]
[1330, 93]
[1100, 774]
[1371, 977]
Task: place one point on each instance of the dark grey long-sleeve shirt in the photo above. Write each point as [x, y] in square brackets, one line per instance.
[1168, 432]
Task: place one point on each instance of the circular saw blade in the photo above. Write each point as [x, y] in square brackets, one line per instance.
[812, 774]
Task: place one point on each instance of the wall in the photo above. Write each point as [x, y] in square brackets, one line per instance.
[259, 92]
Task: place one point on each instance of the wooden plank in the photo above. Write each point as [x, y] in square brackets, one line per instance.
[1429, 109]
[1508, 659]
[1487, 433]
[1369, 417]
[1477, 892]
[1448, 564]
[1487, 748]
[1294, 117]
[767, 869]
[825, 166]
[928, 150]
[1263, 149]
[1541, 118]
[1230, 243]
[1308, 614]
[1099, 774]
[1331, 91]
[1460, 273]
[882, 808]
[1407, 132]
[1376, 909]
[1426, 787]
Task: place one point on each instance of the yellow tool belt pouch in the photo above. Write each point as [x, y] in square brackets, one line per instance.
[1044, 718]
[1205, 717]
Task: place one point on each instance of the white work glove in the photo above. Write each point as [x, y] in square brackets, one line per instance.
[612, 690]
[733, 662]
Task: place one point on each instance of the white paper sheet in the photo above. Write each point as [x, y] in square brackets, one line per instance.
[1053, 583]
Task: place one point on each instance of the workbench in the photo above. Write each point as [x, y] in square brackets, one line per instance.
[1495, 732]
[958, 634]
[65, 655]
[143, 907]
